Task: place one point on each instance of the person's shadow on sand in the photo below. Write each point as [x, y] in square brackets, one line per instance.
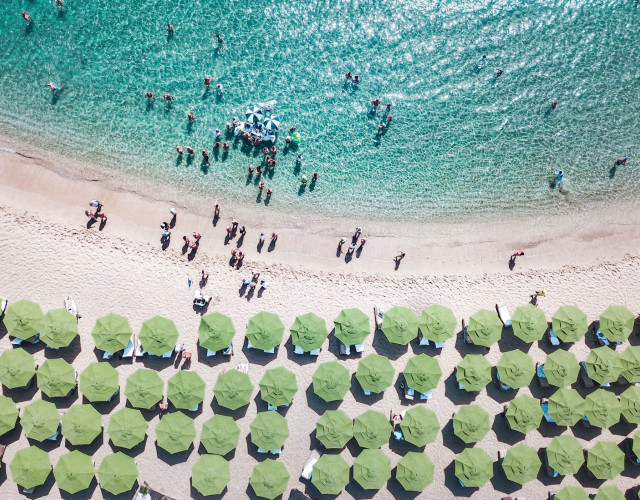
[165, 242]
[260, 245]
[339, 250]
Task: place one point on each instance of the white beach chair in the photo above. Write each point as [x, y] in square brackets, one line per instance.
[228, 351]
[168, 354]
[378, 316]
[307, 468]
[426, 395]
[424, 341]
[139, 350]
[195, 408]
[359, 347]
[107, 355]
[3, 306]
[315, 352]
[298, 350]
[260, 450]
[249, 346]
[128, 351]
[276, 451]
[504, 315]
[270, 351]
[16, 341]
[210, 353]
[345, 350]
[553, 338]
[243, 367]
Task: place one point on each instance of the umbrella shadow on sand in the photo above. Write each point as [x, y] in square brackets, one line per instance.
[496, 393]
[261, 405]
[42, 491]
[196, 494]
[85, 494]
[500, 482]
[301, 359]
[357, 491]
[359, 395]
[456, 395]
[319, 405]
[258, 357]
[453, 485]
[173, 458]
[218, 359]
[127, 495]
[398, 492]
[20, 394]
[388, 349]
[87, 449]
[504, 433]
[221, 410]
[69, 353]
[252, 450]
[132, 452]
[450, 440]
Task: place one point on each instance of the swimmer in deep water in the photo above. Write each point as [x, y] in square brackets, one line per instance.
[170, 29]
[52, 87]
[314, 177]
[26, 17]
[168, 97]
[148, 95]
[225, 146]
[498, 72]
[219, 38]
[299, 160]
[375, 103]
[259, 170]
[274, 150]
[304, 180]
[216, 145]
[207, 81]
[219, 89]
[59, 3]
[217, 133]
[622, 161]
[348, 76]
[356, 79]
[191, 117]
[554, 104]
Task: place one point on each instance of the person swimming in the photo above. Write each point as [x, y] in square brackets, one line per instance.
[274, 150]
[356, 79]
[179, 149]
[622, 161]
[148, 95]
[251, 168]
[205, 156]
[375, 103]
[261, 186]
[168, 97]
[207, 81]
[216, 145]
[288, 139]
[190, 150]
[170, 29]
[53, 87]
[26, 17]
[59, 3]
[217, 133]
[265, 151]
[304, 180]
[559, 174]
[191, 117]
[554, 104]
[498, 72]
[225, 146]
[259, 170]
[314, 177]
[349, 76]
[219, 38]
[269, 192]
[219, 89]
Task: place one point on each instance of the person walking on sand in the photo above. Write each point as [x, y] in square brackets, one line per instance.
[358, 232]
[261, 238]
[362, 242]
[274, 237]
[512, 259]
[352, 248]
[399, 257]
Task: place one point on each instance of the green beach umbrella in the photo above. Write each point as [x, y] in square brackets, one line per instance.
[265, 331]
[127, 428]
[185, 390]
[609, 493]
[616, 323]
[144, 388]
[485, 328]
[521, 464]
[419, 426]
[269, 430]
[473, 372]
[603, 365]
[22, 319]
[158, 335]
[210, 475]
[371, 469]
[569, 323]
[308, 332]
[8, 414]
[605, 460]
[375, 373]
[422, 373]
[630, 404]
[330, 474]
[635, 446]
[30, 467]
[175, 432]
[471, 423]
[331, 381]
[371, 429]
[17, 368]
[630, 363]
[561, 368]
[117, 473]
[473, 467]
[602, 408]
[58, 328]
[352, 326]
[269, 479]
[233, 389]
[524, 413]
[74, 472]
[40, 420]
[216, 331]
[529, 323]
[278, 386]
[99, 381]
[400, 325]
[111, 333]
[516, 369]
[414, 471]
[437, 323]
[571, 493]
[566, 407]
[220, 435]
[81, 424]
[565, 455]
[334, 429]
[56, 378]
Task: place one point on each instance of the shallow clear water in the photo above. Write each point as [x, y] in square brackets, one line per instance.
[462, 141]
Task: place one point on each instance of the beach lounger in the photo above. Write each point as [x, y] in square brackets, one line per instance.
[114, 395]
[366, 393]
[585, 421]
[228, 351]
[461, 483]
[501, 455]
[298, 350]
[542, 378]
[243, 367]
[501, 384]
[422, 340]
[315, 352]
[260, 450]
[545, 411]
[195, 408]
[107, 355]
[16, 341]
[249, 346]
[210, 353]
[270, 407]
[467, 339]
[275, 452]
[55, 436]
[504, 315]
[345, 350]
[128, 351]
[553, 338]
[54, 348]
[359, 347]
[584, 376]
[270, 351]
[632, 458]
[28, 491]
[602, 339]
[409, 393]
[438, 345]
[168, 354]
[307, 468]
[426, 395]
[398, 436]
[139, 350]
[378, 314]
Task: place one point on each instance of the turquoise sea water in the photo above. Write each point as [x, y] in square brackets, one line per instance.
[462, 141]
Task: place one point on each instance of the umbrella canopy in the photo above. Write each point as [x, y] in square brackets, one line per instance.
[216, 331]
[220, 435]
[605, 460]
[521, 464]
[8, 414]
[636, 443]
[471, 423]
[233, 389]
[308, 332]
[331, 381]
[112, 333]
[185, 390]
[375, 373]
[516, 369]
[422, 373]
[99, 381]
[352, 326]
[529, 323]
[30, 467]
[473, 467]
[630, 404]
[158, 335]
[265, 331]
[485, 327]
[278, 386]
[371, 429]
[414, 471]
[210, 475]
[334, 429]
[524, 413]
[127, 428]
[566, 407]
[56, 378]
[40, 420]
[603, 365]
[175, 432]
[117, 473]
[58, 328]
[74, 472]
[616, 323]
[371, 469]
[569, 323]
[400, 325]
[330, 474]
[269, 430]
[561, 368]
[437, 323]
[17, 368]
[609, 493]
[565, 455]
[272, 123]
[571, 493]
[269, 479]
[81, 424]
[602, 408]
[630, 363]
[144, 388]
[254, 114]
[22, 319]
[420, 426]
[473, 372]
